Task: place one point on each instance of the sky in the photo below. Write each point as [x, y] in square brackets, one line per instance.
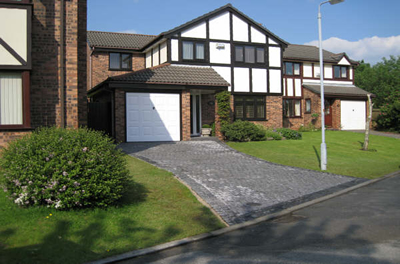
[365, 29]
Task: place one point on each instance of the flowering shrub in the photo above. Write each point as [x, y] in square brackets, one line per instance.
[63, 168]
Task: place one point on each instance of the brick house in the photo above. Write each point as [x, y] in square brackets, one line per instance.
[41, 84]
[162, 88]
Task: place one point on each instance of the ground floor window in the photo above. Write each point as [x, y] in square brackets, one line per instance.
[292, 107]
[249, 107]
[308, 106]
[12, 103]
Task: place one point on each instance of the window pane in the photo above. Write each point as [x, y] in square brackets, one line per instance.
[200, 51]
[296, 69]
[308, 106]
[126, 58]
[297, 107]
[336, 70]
[238, 99]
[260, 111]
[286, 108]
[187, 50]
[249, 111]
[260, 55]
[249, 54]
[288, 68]
[10, 99]
[344, 72]
[114, 60]
[239, 53]
[239, 111]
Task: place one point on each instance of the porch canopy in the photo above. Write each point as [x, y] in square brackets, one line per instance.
[338, 90]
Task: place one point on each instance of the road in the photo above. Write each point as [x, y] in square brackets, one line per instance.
[362, 226]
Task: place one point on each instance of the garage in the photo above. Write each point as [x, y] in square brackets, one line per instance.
[152, 117]
[352, 115]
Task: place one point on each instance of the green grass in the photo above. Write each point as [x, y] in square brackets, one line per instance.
[157, 209]
[345, 156]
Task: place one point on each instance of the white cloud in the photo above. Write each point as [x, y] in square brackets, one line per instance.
[370, 50]
[131, 31]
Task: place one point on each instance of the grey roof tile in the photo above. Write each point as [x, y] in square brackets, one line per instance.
[118, 40]
[343, 89]
[169, 74]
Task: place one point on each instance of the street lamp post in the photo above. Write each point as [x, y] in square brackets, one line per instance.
[321, 76]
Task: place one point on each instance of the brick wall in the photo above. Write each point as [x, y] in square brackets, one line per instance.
[100, 66]
[185, 101]
[274, 112]
[120, 113]
[46, 67]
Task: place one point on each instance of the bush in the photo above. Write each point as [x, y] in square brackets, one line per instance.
[64, 168]
[309, 128]
[206, 126]
[243, 131]
[273, 134]
[213, 129]
[389, 119]
[289, 134]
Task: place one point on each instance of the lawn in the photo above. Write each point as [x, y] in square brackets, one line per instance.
[157, 209]
[344, 154]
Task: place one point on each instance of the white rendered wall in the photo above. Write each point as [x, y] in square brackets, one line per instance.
[297, 87]
[307, 70]
[220, 55]
[240, 29]
[163, 52]
[289, 87]
[257, 36]
[271, 41]
[275, 81]
[284, 87]
[219, 27]
[329, 82]
[225, 72]
[344, 61]
[148, 59]
[328, 71]
[242, 82]
[6, 58]
[13, 31]
[174, 50]
[156, 57]
[316, 70]
[351, 73]
[274, 56]
[198, 31]
[259, 81]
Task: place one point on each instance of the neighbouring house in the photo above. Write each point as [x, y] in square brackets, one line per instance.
[162, 88]
[42, 65]
[345, 104]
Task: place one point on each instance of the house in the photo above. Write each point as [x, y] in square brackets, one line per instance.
[345, 104]
[162, 88]
[41, 84]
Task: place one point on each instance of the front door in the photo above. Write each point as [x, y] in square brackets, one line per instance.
[328, 113]
[195, 115]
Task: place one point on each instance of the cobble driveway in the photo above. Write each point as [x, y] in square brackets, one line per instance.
[239, 187]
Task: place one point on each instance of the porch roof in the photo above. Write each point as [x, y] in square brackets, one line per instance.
[338, 90]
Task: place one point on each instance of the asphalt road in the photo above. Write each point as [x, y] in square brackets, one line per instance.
[359, 227]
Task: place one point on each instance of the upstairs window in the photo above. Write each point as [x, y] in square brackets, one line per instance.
[292, 68]
[120, 61]
[193, 50]
[249, 107]
[340, 72]
[249, 54]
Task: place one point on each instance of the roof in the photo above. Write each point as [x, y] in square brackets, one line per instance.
[176, 75]
[118, 40]
[311, 53]
[222, 8]
[337, 89]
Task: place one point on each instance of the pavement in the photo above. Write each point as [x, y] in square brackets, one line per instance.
[378, 133]
[237, 186]
[362, 226]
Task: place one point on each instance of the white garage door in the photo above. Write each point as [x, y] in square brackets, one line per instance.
[352, 115]
[152, 117]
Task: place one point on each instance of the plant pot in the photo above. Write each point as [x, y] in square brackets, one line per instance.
[206, 132]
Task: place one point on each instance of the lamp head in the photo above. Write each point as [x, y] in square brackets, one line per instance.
[334, 2]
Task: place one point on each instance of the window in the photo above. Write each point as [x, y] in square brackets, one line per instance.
[14, 100]
[120, 61]
[249, 107]
[249, 54]
[193, 50]
[308, 106]
[292, 68]
[292, 108]
[340, 72]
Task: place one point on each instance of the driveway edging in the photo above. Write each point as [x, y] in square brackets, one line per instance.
[176, 243]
